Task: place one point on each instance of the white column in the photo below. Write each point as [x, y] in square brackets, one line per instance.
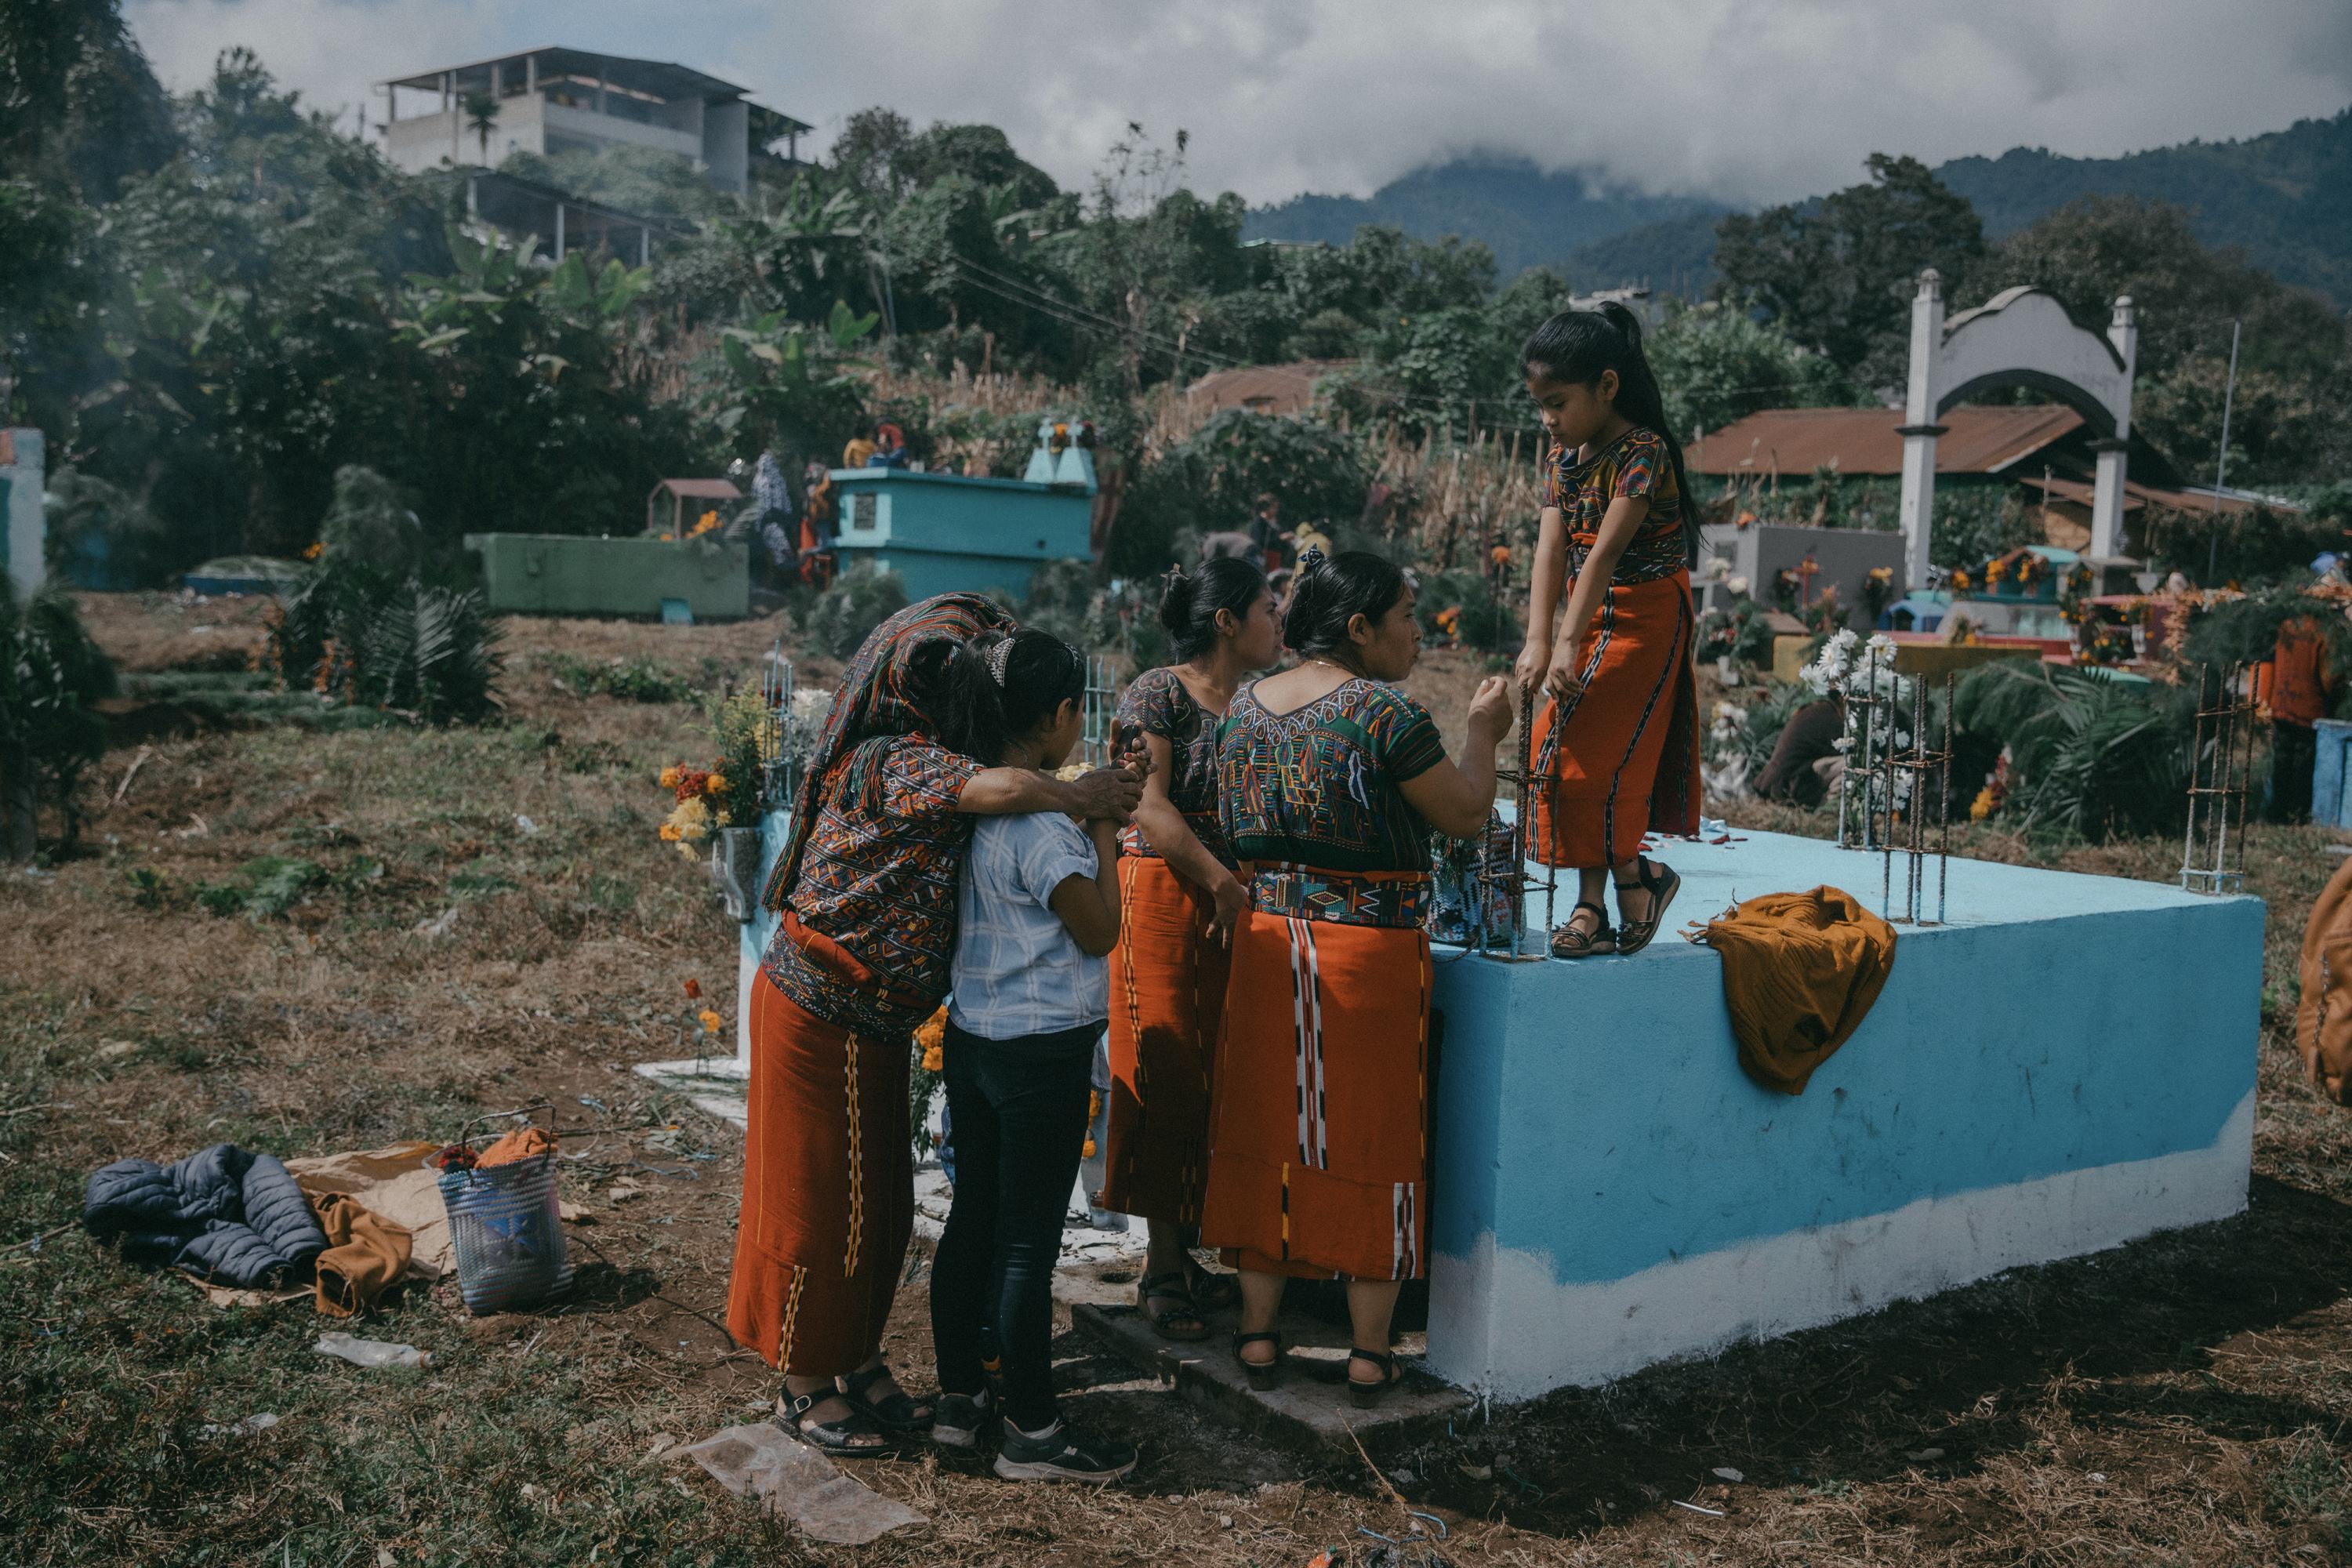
[24, 528]
[2107, 496]
[1919, 428]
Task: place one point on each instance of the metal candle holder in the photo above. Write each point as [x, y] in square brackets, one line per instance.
[2221, 767]
[1908, 770]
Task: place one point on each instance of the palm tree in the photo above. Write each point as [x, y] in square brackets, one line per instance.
[481, 112]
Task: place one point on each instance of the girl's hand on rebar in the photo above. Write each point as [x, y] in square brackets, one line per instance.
[1534, 660]
[1563, 680]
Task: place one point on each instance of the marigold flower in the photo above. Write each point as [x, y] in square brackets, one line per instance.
[669, 776]
[716, 783]
[711, 1021]
[934, 1058]
[669, 832]
[1088, 1149]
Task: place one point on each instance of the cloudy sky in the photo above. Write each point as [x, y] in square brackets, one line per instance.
[1746, 100]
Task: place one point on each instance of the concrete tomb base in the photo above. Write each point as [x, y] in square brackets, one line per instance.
[2065, 1066]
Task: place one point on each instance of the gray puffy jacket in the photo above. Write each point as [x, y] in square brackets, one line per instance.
[225, 1215]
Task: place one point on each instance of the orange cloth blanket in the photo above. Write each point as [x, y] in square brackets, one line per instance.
[1800, 973]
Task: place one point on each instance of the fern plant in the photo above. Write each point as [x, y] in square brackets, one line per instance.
[2092, 757]
[353, 634]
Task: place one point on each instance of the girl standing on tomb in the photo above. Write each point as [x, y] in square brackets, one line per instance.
[1179, 882]
[866, 886]
[1330, 781]
[1617, 746]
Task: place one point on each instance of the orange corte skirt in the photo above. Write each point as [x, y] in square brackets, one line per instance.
[1620, 757]
[1167, 997]
[1318, 1159]
[828, 1190]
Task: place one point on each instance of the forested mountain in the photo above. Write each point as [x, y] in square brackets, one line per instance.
[2285, 197]
[1526, 217]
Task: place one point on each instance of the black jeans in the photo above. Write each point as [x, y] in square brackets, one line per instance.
[1020, 1112]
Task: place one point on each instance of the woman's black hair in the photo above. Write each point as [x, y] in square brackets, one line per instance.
[1576, 347]
[1330, 591]
[999, 687]
[1189, 605]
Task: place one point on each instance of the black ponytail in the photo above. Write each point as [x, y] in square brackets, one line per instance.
[1576, 347]
[1190, 604]
[1330, 591]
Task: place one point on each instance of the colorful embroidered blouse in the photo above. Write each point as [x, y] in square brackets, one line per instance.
[878, 876]
[1635, 464]
[1311, 798]
[1158, 704]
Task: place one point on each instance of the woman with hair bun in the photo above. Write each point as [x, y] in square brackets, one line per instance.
[1617, 747]
[1181, 896]
[1330, 782]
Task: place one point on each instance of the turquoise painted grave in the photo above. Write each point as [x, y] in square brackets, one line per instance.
[2067, 1065]
[944, 533]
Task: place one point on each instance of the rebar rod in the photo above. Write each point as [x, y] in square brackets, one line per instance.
[1864, 766]
[1944, 837]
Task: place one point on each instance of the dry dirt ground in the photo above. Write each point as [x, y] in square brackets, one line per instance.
[2182, 1400]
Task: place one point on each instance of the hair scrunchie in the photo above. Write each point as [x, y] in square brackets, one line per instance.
[1311, 557]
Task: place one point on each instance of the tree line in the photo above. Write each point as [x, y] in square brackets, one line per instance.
[216, 304]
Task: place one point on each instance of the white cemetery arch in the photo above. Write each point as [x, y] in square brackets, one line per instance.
[2019, 337]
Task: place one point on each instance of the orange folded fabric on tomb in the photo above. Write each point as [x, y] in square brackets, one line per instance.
[1801, 971]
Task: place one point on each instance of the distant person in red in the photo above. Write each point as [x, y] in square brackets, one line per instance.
[2302, 686]
[1266, 532]
[889, 448]
[816, 527]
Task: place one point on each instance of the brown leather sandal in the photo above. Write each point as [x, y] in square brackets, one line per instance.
[1661, 884]
[1567, 941]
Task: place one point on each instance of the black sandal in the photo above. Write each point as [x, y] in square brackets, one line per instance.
[1175, 1285]
[894, 1411]
[1567, 941]
[1212, 1292]
[1661, 884]
[1367, 1395]
[834, 1437]
[1265, 1375]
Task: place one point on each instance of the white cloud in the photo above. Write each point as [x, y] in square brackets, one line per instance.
[1743, 99]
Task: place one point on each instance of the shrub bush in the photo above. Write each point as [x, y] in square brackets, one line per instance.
[851, 607]
[51, 678]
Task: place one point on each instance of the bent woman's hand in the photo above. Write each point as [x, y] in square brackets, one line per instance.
[1233, 903]
[1107, 794]
[1492, 701]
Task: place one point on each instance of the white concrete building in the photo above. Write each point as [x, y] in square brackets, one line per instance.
[556, 100]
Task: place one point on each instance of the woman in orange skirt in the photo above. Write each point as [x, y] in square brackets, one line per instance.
[1181, 896]
[1330, 782]
[866, 886]
[1617, 749]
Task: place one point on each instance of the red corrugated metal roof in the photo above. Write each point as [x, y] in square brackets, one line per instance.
[1796, 441]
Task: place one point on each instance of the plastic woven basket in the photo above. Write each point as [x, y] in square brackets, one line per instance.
[507, 1232]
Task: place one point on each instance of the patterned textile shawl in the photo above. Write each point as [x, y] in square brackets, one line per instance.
[1635, 464]
[876, 701]
[1311, 801]
[1158, 704]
